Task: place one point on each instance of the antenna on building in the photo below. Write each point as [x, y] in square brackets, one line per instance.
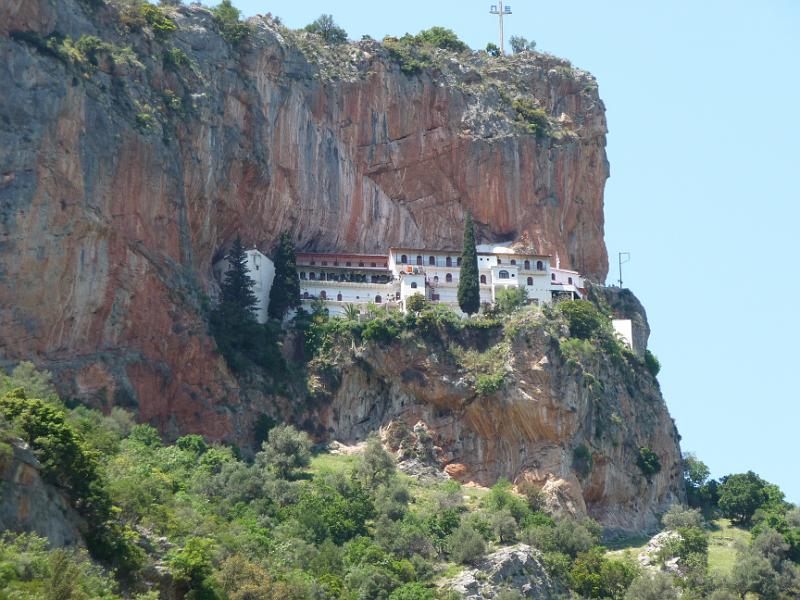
[500, 11]
[627, 258]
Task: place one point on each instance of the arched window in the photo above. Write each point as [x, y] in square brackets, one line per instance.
[499, 262]
[432, 260]
[419, 260]
[403, 260]
[530, 280]
[553, 276]
[513, 261]
[312, 276]
[527, 265]
[378, 299]
[483, 279]
[448, 261]
[503, 275]
[435, 279]
[361, 264]
[302, 274]
[305, 295]
[458, 261]
[448, 278]
[323, 295]
[569, 281]
[413, 285]
[539, 265]
[339, 297]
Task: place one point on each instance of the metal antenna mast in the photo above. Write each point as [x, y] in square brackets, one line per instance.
[500, 11]
[627, 257]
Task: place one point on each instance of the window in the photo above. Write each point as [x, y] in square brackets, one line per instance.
[419, 260]
[324, 263]
[348, 264]
[483, 279]
[313, 262]
[339, 297]
[530, 280]
[385, 265]
[553, 276]
[527, 265]
[397, 295]
[448, 278]
[378, 299]
[499, 262]
[302, 274]
[513, 261]
[403, 260]
[569, 280]
[323, 295]
[503, 275]
[448, 261]
[458, 261]
[436, 279]
[336, 263]
[374, 264]
[361, 264]
[413, 285]
[432, 260]
[312, 276]
[305, 295]
[539, 265]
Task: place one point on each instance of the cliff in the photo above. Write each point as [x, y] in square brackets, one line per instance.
[522, 400]
[28, 504]
[131, 155]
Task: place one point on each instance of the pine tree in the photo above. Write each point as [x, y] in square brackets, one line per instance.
[469, 291]
[285, 291]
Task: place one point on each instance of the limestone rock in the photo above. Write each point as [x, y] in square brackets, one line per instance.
[528, 431]
[122, 183]
[516, 567]
[28, 504]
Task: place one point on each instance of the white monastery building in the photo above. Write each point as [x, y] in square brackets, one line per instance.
[388, 280]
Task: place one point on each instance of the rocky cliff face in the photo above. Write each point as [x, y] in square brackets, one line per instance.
[128, 162]
[570, 421]
[30, 505]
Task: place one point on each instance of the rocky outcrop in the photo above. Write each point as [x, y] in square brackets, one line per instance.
[517, 568]
[127, 168]
[30, 505]
[573, 425]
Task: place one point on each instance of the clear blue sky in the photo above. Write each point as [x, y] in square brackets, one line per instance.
[703, 141]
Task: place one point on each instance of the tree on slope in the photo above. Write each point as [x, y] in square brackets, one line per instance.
[285, 291]
[234, 320]
[469, 291]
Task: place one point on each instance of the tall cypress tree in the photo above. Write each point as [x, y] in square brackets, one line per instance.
[233, 322]
[285, 291]
[236, 294]
[469, 291]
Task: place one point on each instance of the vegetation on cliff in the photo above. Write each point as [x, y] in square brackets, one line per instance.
[204, 523]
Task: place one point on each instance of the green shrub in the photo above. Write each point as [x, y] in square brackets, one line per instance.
[651, 362]
[582, 461]
[595, 576]
[652, 586]
[416, 303]
[285, 451]
[511, 299]
[158, 20]
[441, 37]
[521, 44]
[648, 461]
[465, 545]
[488, 384]
[583, 318]
[231, 28]
[326, 28]
[567, 536]
[176, 58]
[529, 113]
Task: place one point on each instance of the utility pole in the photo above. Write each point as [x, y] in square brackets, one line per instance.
[500, 11]
[627, 257]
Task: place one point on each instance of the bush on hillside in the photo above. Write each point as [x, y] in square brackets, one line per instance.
[326, 28]
[648, 461]
[583, 318]
[285, 451]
